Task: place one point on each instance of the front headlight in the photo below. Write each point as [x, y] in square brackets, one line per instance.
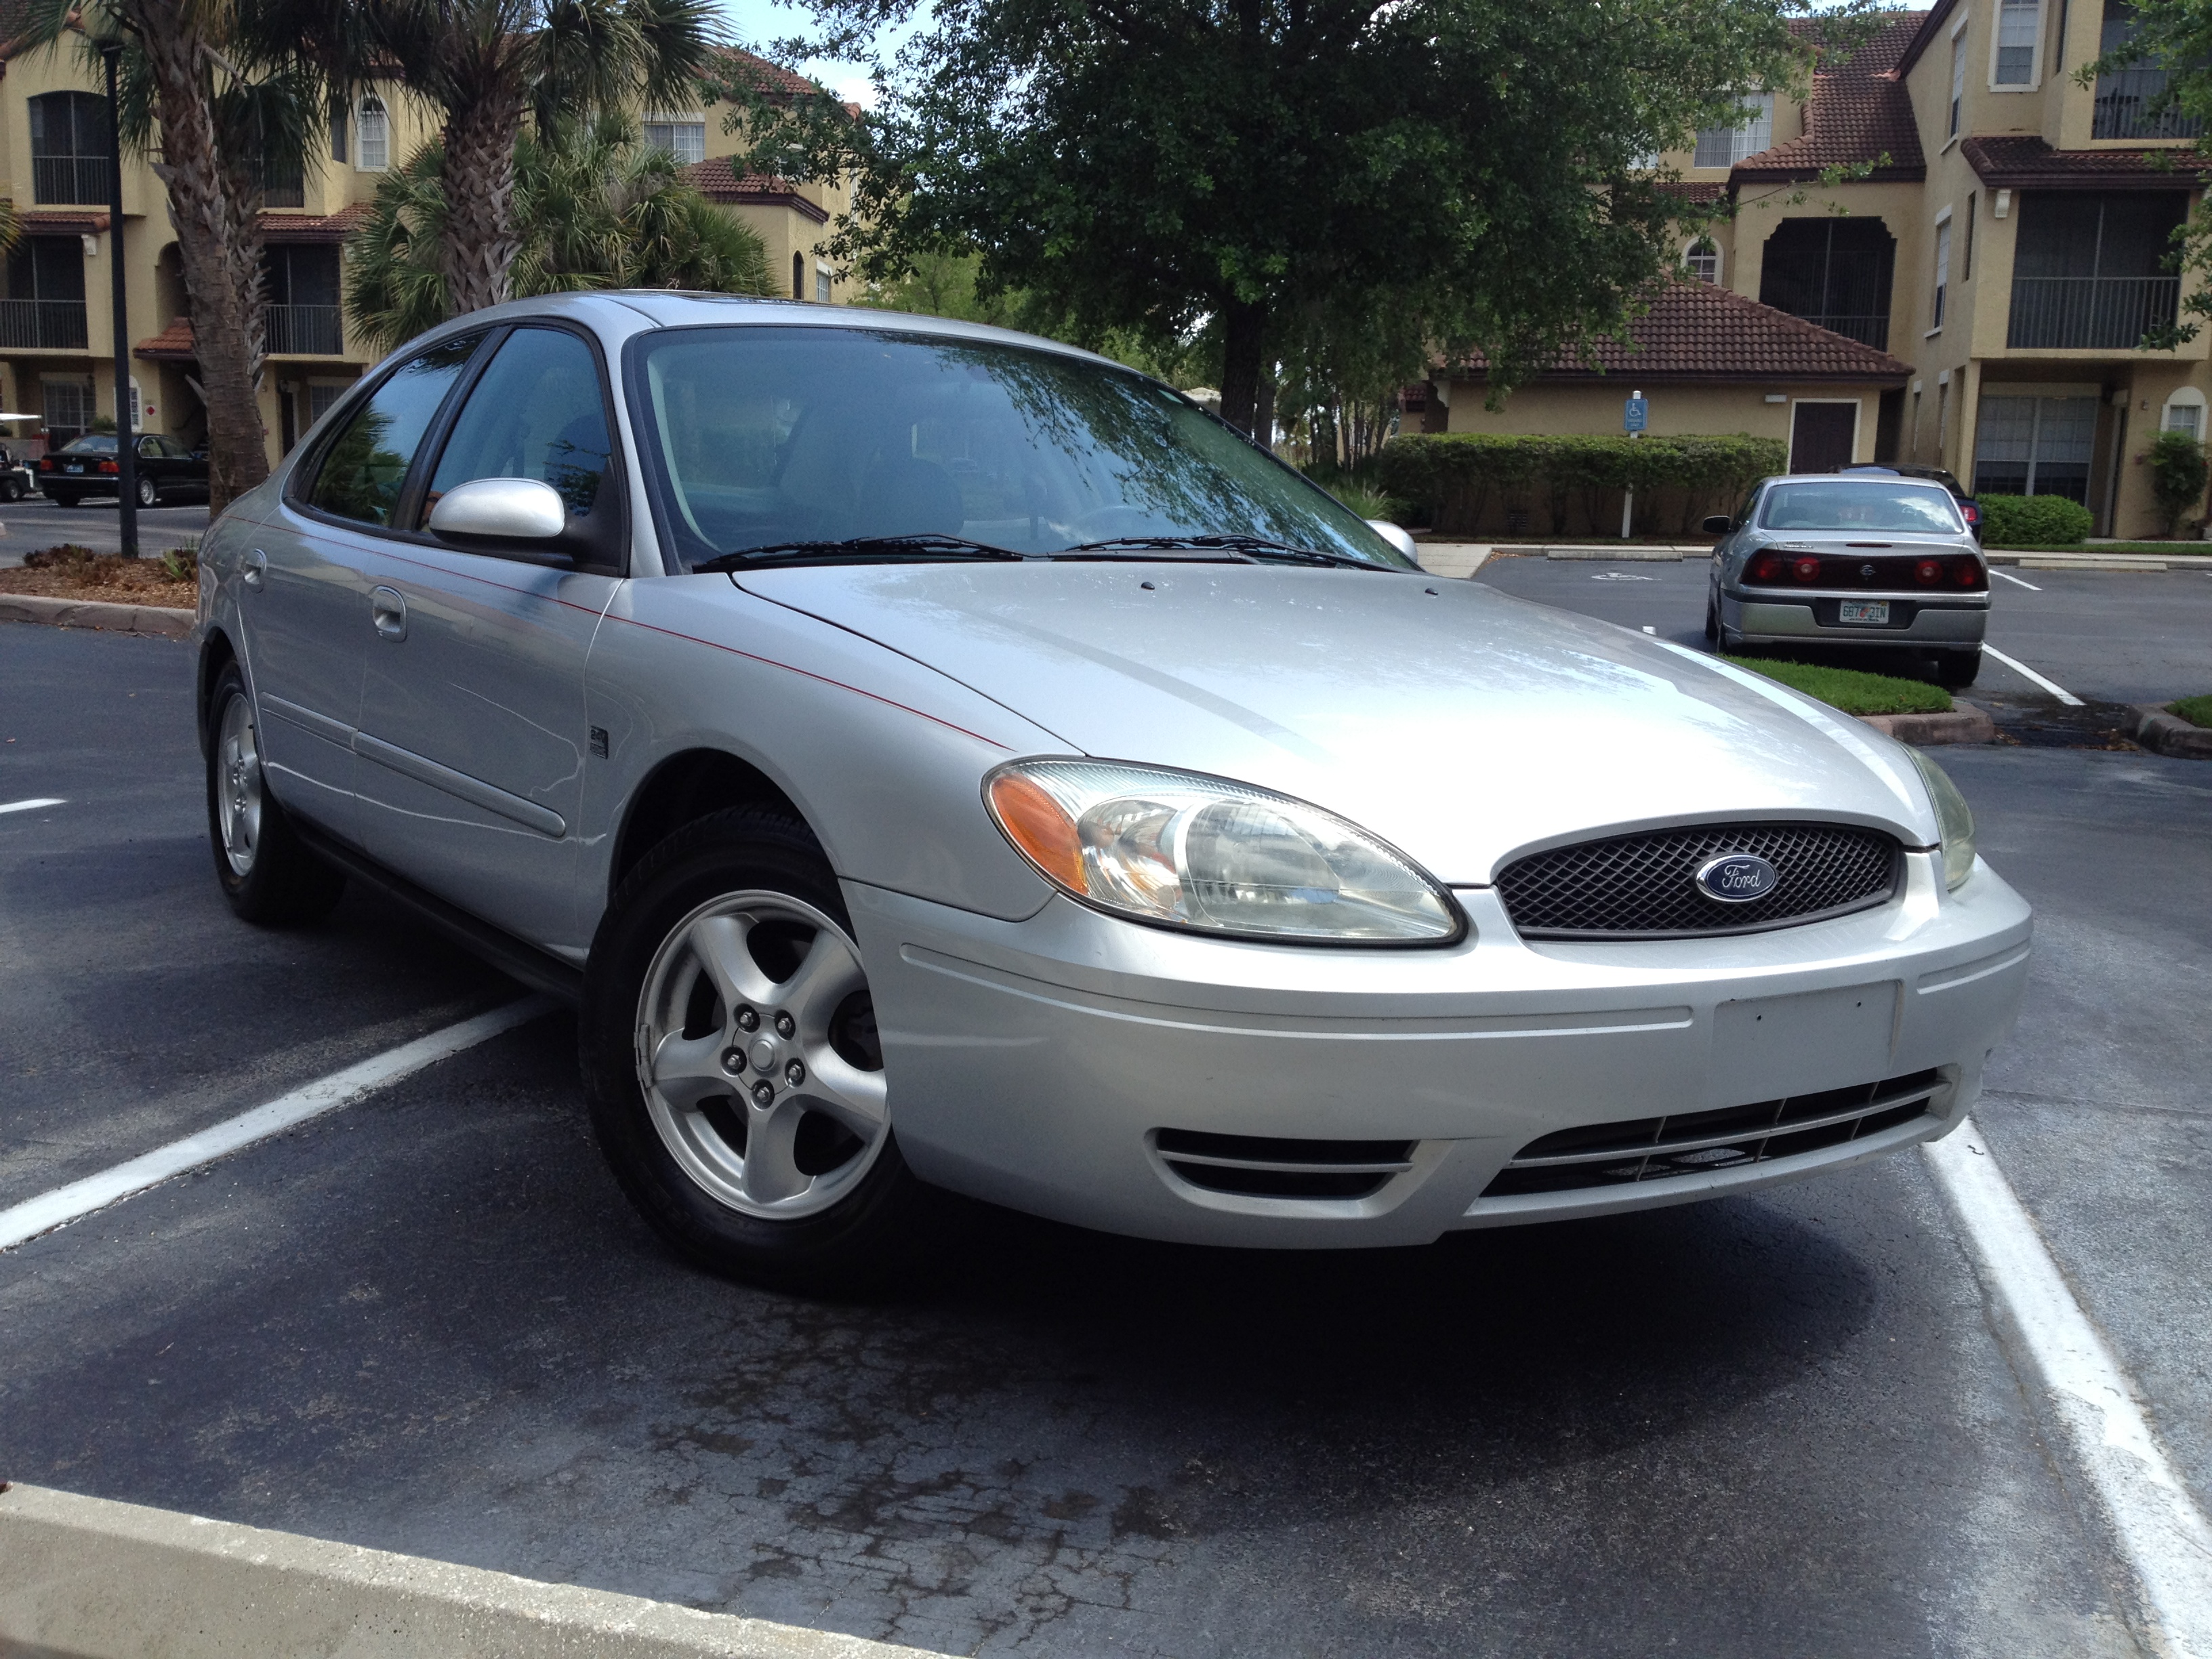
[1953, 817]
[1190, 851]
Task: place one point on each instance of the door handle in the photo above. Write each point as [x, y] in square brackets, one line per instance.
[388, 609]
[257, 561]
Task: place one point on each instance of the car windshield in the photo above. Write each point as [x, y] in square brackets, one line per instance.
[1899, 508]
[873, 443]
[92, 444]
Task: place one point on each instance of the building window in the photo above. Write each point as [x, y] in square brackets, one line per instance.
[70, 148]
[1966, 252]
[1958, 79]
[68, 410]
[374, 126]
[798, 277]
[2126, 97]
[1942, 271]
[337, 131]
[2035, 446]
[822, 284]
[1834, 273]
[302, 315]
[2016, 42]
[2093, 270]
[2184, 413]
[1703, 260]
[684, 138]
[44, 307]
[1723, 147]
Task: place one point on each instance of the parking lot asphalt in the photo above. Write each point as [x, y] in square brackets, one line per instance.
[36, 522]
[1778, 1425]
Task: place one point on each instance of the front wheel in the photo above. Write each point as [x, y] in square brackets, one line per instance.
[267, 873]
[1712, 622]
[149, 493]
[1957, 670]
[731, 1059]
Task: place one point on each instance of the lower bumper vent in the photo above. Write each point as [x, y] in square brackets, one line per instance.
[1700, 1143]
[1262, 1166]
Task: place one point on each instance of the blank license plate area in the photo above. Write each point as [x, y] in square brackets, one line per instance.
[1765, 1046]
[1876, 611]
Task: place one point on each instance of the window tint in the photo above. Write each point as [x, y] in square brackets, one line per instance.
[1906, 509]
[537, 413]
[363, 469]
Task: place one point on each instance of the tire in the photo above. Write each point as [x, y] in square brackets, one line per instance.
[149, 493]
[266, 872]
[15, 490]
[1957, 670]
[689, 1061]
[63, 498]
[1712, 622]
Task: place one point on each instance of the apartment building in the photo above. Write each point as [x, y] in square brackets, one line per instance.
[2002, 244]
[56, 321]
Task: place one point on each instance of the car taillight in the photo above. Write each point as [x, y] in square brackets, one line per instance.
[1805, 570]
[46, 464]
[109, 466]
[1929, 572]
[1766, 569]
[1967, 571]
[1973, 512]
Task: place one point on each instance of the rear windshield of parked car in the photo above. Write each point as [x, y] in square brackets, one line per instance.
[756, 436]
[1903, 509]
[99, 445]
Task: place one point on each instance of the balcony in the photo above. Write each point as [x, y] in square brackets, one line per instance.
[68, 179]
[305, 331]
[2123, 101]
[42, 324]
[2100, 313]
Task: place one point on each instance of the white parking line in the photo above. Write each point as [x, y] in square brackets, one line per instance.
[2026, 672]
[2166, 1535]
[2015, 580]
[79, 1198]
[32, 805]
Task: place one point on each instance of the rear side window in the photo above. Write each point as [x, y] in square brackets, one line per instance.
[1898, 509]
[363, 469]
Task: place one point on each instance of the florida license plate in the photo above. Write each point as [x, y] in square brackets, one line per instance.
[75, 466]
[1876, 611]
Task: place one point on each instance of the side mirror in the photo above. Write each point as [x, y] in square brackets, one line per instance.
[501, 509]
[1397, 538]
[1718, 524]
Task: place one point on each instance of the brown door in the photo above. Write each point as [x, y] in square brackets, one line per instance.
[1820, 436]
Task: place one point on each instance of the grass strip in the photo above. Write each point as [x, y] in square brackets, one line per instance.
[2197, 711]
[1853, 690]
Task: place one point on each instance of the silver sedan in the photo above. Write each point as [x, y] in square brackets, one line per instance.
[931, 756]
[1853, 560]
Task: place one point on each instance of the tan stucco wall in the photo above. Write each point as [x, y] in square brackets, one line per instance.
[1596, 408]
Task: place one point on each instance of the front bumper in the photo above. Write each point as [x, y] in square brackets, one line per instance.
[1034, 1064]
[1762, 619]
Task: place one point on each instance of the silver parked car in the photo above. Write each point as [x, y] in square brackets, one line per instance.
[1855, 560]
[930, 754]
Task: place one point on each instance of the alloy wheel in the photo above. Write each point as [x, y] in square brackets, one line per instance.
[238, 785]
[149, 493]
[756, 1051]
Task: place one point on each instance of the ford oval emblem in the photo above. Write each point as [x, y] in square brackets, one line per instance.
[1737, 877]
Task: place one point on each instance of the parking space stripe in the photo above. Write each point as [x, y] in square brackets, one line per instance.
[79, 1198]
[2166, 1536]
[2014, 580]
[32, 805]
[2026, 672]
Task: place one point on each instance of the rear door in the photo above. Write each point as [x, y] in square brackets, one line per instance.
[306, 607]
[473, 738]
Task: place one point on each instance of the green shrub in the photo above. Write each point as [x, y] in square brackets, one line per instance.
[2178, 473]
[1369, 503]
[1852, 690]
[1449, 478]
[2197, 711]
[2033, 521]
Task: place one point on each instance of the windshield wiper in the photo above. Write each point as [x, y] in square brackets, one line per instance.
[856, 549]
[1251, 547]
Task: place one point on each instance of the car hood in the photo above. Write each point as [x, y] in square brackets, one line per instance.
[1459, 724]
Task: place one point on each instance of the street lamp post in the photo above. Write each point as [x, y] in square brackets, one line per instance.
[126, 454]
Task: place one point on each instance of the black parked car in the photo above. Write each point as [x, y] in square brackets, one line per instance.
[167, 472]
[1969, 508]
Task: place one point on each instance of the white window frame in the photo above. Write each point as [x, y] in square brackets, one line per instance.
[1939, 308]
[2034, 47]
[1690, 254]
[825, 284]
[1758, 108]
[2188, 398]
[363, 113]
[672, 121]
[1958, 79]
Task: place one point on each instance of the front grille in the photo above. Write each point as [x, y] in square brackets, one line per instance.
[1699, 1143]
[1645, 887]
[1263, 1166]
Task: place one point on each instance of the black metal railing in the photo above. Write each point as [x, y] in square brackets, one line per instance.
[285, 192]
[306, 330]
[42, 324]
[69, 179]
[1871, 330]
[2110, 313]
[2122, 109]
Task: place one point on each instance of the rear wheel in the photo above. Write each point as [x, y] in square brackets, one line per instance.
[1957, 670]
[1712, 622]
[149, 493]
[14, 488]
[64, 497]
[731, 1058]
[267, 873]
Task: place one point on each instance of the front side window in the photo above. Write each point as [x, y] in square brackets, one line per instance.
[759, 436]
[537, 413]
[684, 139]
[2016, 28]
[1901, 509]
[376, 134]
[366, 463]
[1723, 147]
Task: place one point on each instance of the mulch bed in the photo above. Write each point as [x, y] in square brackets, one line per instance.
[78, 573]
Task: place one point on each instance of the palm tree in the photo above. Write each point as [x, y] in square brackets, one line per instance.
[592, 208]
[486, 64]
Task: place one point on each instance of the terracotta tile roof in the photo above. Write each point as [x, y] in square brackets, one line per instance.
[2030, 163]
[1858, 111]
[718, 179]
[736, 63]
[1696, 331]
[58, 222]
[281, 227]
[173, 344]
[1694, 192]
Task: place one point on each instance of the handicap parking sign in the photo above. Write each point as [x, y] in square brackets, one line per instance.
[1636, 414]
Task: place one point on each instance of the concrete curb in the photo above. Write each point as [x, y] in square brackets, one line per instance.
[164, 621]
[2163, 734]
[2088, 560]
[1965, 723]
[92, 1579]
[1657, 555]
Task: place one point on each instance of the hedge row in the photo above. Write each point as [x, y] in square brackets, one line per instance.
[1452, 477]
[2033, 521]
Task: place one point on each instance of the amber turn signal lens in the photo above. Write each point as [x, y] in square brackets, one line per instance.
[1034, 821]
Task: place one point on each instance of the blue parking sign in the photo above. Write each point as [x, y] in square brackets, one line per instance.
[1636, 414]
